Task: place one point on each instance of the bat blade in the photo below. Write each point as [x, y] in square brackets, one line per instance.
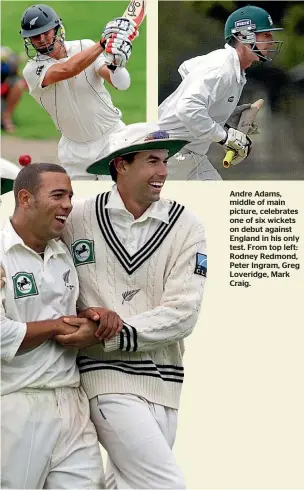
[247, 118]
[136, 11]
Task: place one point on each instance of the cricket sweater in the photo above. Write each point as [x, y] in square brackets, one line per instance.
[157, 292]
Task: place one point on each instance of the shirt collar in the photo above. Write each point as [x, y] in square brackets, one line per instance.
[158, 210]
[11, 239]
[240, 75]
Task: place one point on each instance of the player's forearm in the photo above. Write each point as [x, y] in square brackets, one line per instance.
[131, 339]
[73, 66]
[80, 61]
[38, 332]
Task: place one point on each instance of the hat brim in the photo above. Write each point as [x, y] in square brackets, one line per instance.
[102, 166]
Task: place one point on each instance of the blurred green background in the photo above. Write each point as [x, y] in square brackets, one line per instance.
[82, 20]
[193, 28]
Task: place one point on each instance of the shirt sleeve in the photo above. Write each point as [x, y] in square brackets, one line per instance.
[176, 316]
[12, 334]
[194, 104]
[34, 74]
[100, 61]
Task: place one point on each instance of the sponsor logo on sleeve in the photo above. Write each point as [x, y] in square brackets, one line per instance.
[83, 252]
[201, 265]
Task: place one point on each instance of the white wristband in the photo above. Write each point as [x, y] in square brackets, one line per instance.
[120, 78]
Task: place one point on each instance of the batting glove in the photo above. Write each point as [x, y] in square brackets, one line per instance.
[117, 52]
[239, 143]
[235, 117]
[121, 28]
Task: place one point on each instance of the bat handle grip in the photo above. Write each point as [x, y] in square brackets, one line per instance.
[228, 158]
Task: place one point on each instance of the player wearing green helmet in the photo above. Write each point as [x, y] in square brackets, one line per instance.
[253, 27]
[203, 109]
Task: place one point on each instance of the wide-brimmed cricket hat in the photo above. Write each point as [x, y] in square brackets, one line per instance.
[135, 138]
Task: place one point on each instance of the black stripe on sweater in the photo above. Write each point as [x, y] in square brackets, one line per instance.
[138, 368]
[132, 262]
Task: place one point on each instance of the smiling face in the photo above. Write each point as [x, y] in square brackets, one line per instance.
[47, 210]
[142, 180]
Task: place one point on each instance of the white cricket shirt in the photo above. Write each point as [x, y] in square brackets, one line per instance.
[134, 233]
[35, 290]
[203, 102]
[81, 107]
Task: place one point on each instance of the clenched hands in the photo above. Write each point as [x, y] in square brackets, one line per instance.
[83, 337]
[110, 324]
[93, 325]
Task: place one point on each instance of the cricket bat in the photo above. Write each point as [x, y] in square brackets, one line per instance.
[135, 11]
[247, 118]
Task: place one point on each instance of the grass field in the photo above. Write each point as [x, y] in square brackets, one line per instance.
[82, 20]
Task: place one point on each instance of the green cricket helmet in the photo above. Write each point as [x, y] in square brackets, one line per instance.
[245, 23]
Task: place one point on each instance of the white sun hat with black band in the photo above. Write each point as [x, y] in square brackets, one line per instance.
[135, 138]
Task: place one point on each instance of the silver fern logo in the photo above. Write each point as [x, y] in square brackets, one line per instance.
[66, 278]
[33, 21]
[128, 295]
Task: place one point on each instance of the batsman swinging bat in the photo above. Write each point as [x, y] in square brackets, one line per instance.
[246, 120]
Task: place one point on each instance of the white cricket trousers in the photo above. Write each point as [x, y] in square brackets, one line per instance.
[49, 441]
[138, 437]
[76, 157]
[188, 165]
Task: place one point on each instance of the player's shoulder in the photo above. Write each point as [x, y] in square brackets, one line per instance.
[34, 65]
[77, 45]
[86, 43]
[219, 58]
[82, 206]
[216, 64]
[30, 66]
[186, 215]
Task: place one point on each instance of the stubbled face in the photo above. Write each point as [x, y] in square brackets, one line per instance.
[265, 43]
[43, 41]
[48, 210]
[144, 178]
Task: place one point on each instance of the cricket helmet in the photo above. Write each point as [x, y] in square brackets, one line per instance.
[246, 22]
[36, 20]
